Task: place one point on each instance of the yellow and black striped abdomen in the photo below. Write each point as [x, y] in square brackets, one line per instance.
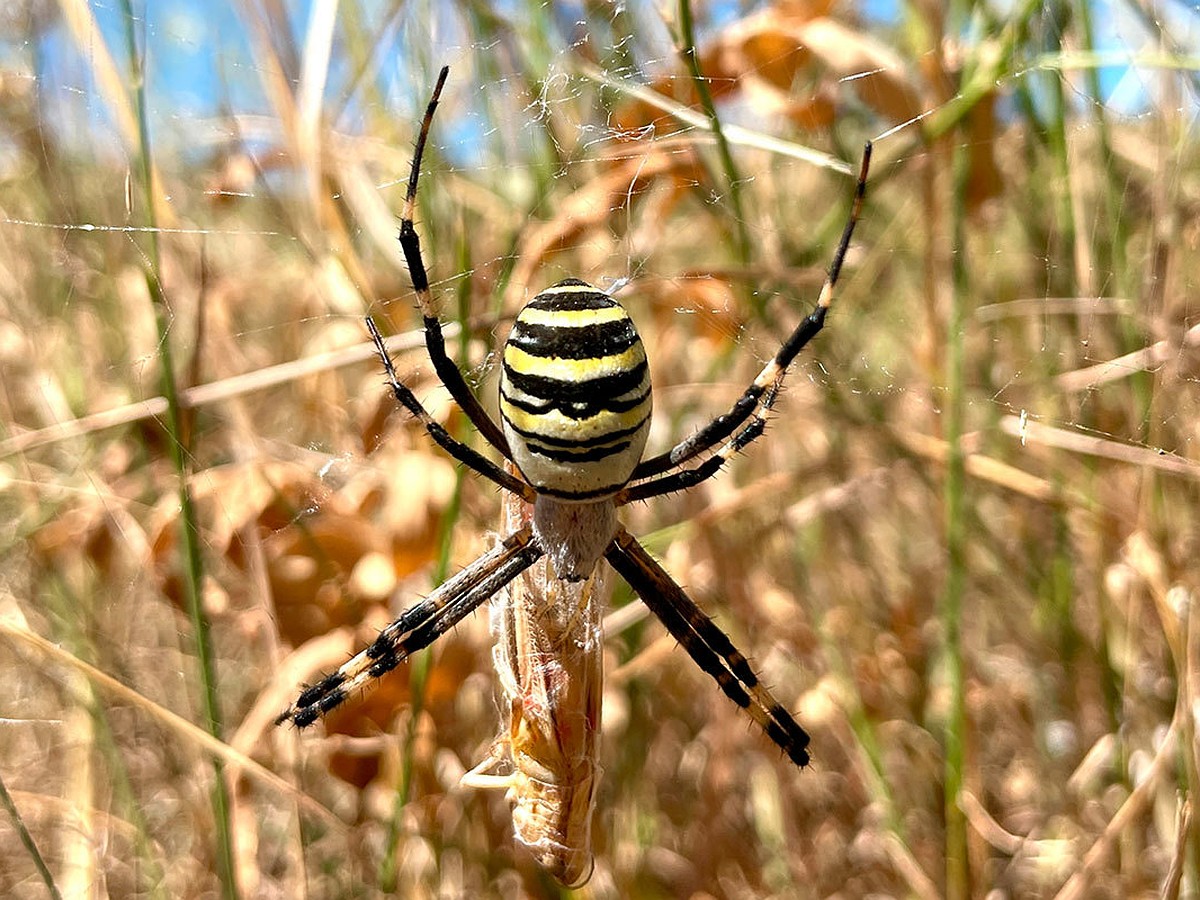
[575, 392]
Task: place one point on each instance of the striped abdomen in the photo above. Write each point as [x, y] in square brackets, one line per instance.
[575, 392]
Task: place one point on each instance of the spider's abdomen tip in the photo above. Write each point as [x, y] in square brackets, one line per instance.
[575, 392]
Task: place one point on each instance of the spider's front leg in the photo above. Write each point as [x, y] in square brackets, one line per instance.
[758, 398]
[435, 342]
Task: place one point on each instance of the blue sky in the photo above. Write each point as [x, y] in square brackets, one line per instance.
[200, 63]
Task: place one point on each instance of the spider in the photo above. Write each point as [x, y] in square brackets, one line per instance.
[575, 401]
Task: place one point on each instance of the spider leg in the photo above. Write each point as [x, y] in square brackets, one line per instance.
[418, 626]
[706, 644]
[466, 455]
[682, 480]
[762, 391]
[435, 342]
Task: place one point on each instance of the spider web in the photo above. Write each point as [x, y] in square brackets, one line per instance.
[1019, 289]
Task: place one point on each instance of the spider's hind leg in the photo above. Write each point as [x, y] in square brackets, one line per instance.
[707, 644]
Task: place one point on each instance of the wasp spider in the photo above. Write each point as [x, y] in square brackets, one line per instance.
[575, 401]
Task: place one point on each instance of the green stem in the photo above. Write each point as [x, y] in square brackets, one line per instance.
[31, 848]
[990, 66]
[732, 180]
[422, 662]
[193, 572]
[958, 879]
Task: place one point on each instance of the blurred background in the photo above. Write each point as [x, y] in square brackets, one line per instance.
[964, 553]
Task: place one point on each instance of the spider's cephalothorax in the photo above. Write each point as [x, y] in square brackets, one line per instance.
[575, 393]
[574, 417]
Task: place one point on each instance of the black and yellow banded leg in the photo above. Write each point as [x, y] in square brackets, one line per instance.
[435, 341]
[466, 455]
[761, 392]
[687, 478]
[418, 626]
[706, 644]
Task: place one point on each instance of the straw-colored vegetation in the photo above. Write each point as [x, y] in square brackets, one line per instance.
[964, 553]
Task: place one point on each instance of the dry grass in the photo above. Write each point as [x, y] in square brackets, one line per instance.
[964, 553]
